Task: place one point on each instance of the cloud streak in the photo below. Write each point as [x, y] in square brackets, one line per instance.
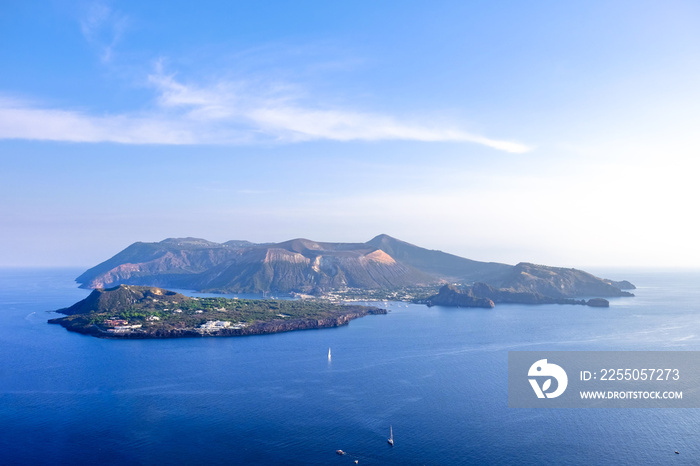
[22, 121]
[226, 113]
[103, 28]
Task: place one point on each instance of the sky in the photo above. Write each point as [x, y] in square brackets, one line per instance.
[560, 133]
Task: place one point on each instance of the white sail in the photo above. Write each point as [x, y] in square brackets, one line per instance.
[329, 354]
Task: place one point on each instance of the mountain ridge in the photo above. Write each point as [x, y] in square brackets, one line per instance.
[302, 265]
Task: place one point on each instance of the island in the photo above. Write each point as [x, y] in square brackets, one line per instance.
[485, 296]
[383, 268]
[131, 297]
[128, 312]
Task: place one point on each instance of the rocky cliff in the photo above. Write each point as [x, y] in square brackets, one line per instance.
[557, 282]
[484, 295]
[257, 328]
[450, 295]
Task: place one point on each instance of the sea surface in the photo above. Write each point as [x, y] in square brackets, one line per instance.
[437, 375]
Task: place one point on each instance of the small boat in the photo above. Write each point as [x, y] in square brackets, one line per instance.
[340, 452]
[329, 355]
[677, 452]
[390, 440]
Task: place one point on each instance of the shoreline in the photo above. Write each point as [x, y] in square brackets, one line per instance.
[256, 328]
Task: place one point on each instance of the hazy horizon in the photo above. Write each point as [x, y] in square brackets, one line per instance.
[588, 267]
[559, 134]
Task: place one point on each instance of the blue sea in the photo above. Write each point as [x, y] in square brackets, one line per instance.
[437, 376]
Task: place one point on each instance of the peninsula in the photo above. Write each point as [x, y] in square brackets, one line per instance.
[127, 312]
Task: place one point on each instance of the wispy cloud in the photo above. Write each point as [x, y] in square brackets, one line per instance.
[19, 120]
[278, 113]
[227, 112]
[103, 27]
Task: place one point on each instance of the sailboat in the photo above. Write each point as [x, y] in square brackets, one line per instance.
[390, 440]
[329, 355]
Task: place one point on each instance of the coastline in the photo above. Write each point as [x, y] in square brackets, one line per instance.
[73, 324]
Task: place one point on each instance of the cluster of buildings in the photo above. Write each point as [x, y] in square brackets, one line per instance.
[215, 324]
[116, 325]
[220, 325]
[114, 322]
[120, 325]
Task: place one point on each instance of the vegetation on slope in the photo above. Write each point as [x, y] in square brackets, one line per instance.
[144, 312]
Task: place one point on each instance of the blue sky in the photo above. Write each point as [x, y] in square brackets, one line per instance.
[562, 133]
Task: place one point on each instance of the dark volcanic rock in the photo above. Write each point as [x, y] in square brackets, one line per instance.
[450, 295]
[513, 297]
[598, 302]
[484, 295]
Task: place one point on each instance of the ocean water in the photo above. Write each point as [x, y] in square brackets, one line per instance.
[438, 376]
